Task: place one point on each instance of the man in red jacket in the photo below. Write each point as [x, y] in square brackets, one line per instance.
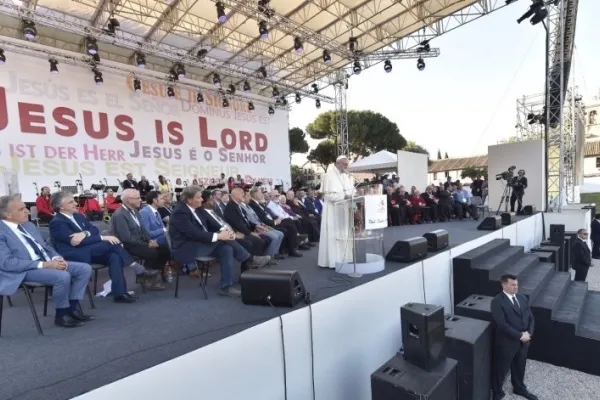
[42, 203]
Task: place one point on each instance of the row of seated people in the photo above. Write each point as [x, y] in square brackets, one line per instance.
[90, 207]
[248, 226]
[436, 204]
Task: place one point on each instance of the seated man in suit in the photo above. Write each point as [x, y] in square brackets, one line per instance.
[236, 217]
[275, 236]
[194, 235]
[151, 219]
[24, 257]
[77, 239]
[308, 220]
[127, 226]
[308, 206]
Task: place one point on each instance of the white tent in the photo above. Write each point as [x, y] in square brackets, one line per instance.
[384, 161]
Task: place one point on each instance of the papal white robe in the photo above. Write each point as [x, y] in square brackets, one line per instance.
[335, 224]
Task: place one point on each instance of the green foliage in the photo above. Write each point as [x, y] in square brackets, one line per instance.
[446, 155]
[439, 155]
[296, 172]
[472, 172]
[324, 154]
[368, 132]
[415, 148]
[298, 143]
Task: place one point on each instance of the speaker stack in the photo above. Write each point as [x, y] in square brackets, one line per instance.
[475, 306]
[558, 238]
[277, 288]
[408, 250]
[508, 218]
[423, 372]
[490, 223]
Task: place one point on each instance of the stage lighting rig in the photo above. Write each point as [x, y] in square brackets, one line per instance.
[140, 60]
[53, 66]
[29, 30]
[537, 12]
[112, 26]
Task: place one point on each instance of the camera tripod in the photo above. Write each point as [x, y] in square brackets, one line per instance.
[505, 199]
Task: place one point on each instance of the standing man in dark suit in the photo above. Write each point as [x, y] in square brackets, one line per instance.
[129, 183]
[596, 237]
[237, 218]
[126, 224]
[581, 255]
[519, 184]
[25, 257]
[514, 328]
[77, 239]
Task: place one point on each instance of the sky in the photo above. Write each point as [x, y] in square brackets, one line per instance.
[466, 98]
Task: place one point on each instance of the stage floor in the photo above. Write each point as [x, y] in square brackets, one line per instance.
[125, 339]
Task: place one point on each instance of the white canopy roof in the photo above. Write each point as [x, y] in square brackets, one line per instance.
[384, 161]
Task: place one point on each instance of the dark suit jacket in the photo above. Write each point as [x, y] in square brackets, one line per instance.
[511, 321]
[309, 204]
[130, 184]
[165, 212]
[519, 185]
[61, 228]
[581, 255]
[262, 214]
[123, 226]
[233, 216]
[186, 233]
[595, 234]
[298, 209]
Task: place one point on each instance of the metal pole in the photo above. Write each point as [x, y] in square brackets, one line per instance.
[547, 124]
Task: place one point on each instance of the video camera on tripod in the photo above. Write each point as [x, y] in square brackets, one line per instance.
[507, 175]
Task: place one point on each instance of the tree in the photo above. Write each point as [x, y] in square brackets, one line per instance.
[368, 132]
[415, 148]
[446, 155]
[472, 172]
[439, 156]
[296, 172]
[298, 143]
[324, 154]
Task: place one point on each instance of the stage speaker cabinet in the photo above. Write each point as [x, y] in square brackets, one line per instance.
[528, 210]
[436, 240]
[280, 288]
[557, 234]
[490, 223]
[508, 218]
[475, 306]
[408, 250]
[398, 379]
[423, 334]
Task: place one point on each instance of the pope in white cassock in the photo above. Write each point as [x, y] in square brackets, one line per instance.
[337, 185]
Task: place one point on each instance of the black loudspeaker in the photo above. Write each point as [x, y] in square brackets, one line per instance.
[557, 234]
[490, 223]
[570, 238]
[528, 210]
[398, 379]
[508, 218]
[423, 334]
[560, 253]
[436, 240]
[408, 250]
[476, 306]
[280, 288]
[469, 341]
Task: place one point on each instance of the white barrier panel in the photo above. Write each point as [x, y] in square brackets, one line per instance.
[573, 220]
[510, 232]
[529, 232]
[354, 333]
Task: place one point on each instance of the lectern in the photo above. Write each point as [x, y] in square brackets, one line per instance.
[360, 220]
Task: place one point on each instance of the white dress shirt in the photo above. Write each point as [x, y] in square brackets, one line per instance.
[215, 235]
[278, 210]
[34, 257]
[72, 218]
[513, 299]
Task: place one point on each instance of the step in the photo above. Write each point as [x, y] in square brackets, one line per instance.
[551, 296]
[499, 261]
[589, 323]
[470, 258]
[516, 266]
[534, 279]
[571, 307]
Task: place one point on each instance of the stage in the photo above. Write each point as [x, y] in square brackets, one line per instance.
[127, 339]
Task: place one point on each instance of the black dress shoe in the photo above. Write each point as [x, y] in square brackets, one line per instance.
[125, 298]
[296, 254]
[66, 321]
[304, 247]
[527, 395]
[80, 316]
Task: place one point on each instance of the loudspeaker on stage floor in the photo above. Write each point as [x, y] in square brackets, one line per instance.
[279, 288]
[423, 334]
[475, 306]
[398, 379]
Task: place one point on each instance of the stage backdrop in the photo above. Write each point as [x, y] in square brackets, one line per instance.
[412, 170]
[528, 155]
[55, 127]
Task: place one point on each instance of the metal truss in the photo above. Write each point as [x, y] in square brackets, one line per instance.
[530, 109]
[133, 42]
[341, 114]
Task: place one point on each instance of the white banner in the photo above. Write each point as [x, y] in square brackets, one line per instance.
[376, 215]
[55, 127]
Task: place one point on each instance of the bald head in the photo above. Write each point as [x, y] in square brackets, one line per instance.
[237, 195]
[131, 198]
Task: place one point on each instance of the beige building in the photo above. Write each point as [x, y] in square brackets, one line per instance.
[440, 170]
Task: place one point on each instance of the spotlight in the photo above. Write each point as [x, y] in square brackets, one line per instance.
[356, 68]
[420, 64]
[246, 86]
[271, 110]
[284, 101]
[231, 89]
[91, 45]
[275, 92]
[96, 58]
[315, 88]
[137, 85]
[29, 30]
[170, 92]
[352, 44]
[225, 102]
[53, 66]
[263, 71]
[326, 57]
[199, 98]
[140, 60]
[112, 26]
[221, 12]
[263, 30]
[298, 98]
[179, 70]
[387, 66]
[318, 103]
[98, 77]
[201, 53]
[217, 81]
[250, 106]
[298, 45]
[2, 57]
[537, 11]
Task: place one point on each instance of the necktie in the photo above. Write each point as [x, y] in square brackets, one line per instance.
[244, 216]
[515, 302]
[37, 248]
[158, 219]
[199, 221]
